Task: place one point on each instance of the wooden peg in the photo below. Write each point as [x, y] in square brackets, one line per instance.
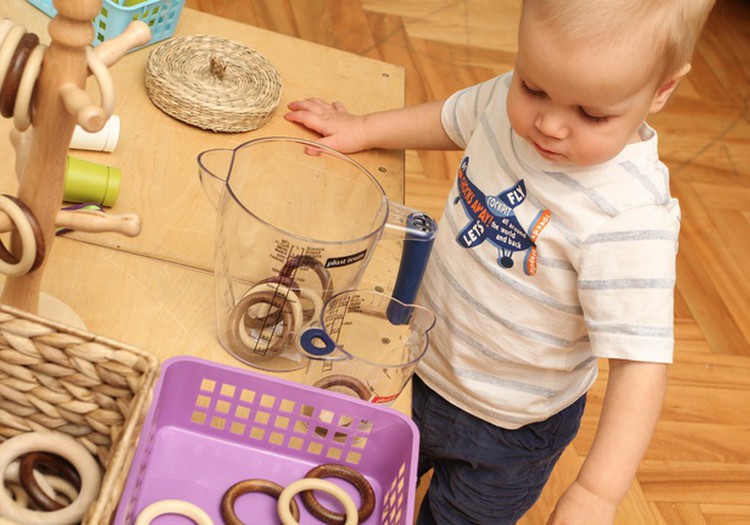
[135, 35]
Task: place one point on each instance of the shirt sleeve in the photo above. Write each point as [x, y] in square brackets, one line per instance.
[626, 285]
[463, 110]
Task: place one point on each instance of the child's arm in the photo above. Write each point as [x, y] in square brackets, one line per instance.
[413, 127]
[632, 404]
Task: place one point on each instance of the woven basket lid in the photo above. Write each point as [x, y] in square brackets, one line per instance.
[213, 83]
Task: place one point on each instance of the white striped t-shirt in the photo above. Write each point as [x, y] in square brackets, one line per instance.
[539, 269]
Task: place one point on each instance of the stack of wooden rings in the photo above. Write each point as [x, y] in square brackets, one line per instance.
[287, 507]
[48, 478]
[264, 321]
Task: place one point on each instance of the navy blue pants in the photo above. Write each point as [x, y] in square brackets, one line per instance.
[484, 474]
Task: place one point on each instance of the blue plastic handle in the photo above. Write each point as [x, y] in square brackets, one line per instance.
[420, 237]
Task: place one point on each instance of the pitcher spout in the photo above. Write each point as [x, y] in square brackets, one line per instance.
[214, 166]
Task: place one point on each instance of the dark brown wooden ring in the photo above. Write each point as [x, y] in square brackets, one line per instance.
[350, 382]
[8, 257]
[332, 470]
[46, 463]
[236, 323]
[251, 485]
[13, 77]
[306, 261]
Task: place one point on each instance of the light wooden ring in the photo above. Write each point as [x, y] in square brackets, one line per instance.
[251, 485]
[332, 470]
[104, 79]
[70, 449]
[18, 494]
[8, 48]
[22, 218]
[48, 464]
[5, 25]
[350, 382]
[173, 506]
[282, 506]
[23, 110]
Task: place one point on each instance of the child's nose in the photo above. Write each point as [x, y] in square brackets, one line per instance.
[551, 124]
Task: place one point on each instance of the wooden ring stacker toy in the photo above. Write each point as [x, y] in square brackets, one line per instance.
[62, 445]
[173, 506]
[258, 352]
[49, 464]
[350, 382]
[305, 261]
[282, 505]
[251, 485]
[331, 470]
[30, 234]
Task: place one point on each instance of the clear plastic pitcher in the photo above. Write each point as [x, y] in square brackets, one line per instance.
[357, 349]
[297, 222]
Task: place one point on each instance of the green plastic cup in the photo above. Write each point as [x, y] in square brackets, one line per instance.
[87, 181]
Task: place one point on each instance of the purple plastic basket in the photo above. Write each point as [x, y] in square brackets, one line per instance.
[211, 426]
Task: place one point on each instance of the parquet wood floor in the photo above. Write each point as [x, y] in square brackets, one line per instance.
[697, 469]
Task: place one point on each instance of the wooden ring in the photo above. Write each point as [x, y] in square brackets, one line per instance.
[332, 470]
[18, 495]
[23, 111]
[306, 261]
[47, 464]
[259, 352]
[282, 506]
[10, 86]
[173, 506]
[259, 320]
[350, 382]
[104, 79]
[251, 485]
[32, 239]
[62, 445]
[8, 49]
[13, 475]
[5, 25]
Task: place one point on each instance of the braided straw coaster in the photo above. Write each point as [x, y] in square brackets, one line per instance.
[54, 377]
[213, 83]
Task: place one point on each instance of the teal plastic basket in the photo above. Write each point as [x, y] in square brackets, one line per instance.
[160, 15]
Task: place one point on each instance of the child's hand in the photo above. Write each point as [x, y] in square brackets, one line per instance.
[578, 506]
[341, 130]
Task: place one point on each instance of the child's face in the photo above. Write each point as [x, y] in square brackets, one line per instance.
[579, 104]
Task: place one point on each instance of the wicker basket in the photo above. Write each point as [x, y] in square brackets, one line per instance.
[54, 377]
[213, 83]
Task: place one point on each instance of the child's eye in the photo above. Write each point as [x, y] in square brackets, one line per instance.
[591, 118]
[531, 92]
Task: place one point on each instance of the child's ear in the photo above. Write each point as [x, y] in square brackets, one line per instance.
[667, 88]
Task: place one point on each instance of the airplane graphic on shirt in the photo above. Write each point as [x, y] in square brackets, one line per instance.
[492, 219]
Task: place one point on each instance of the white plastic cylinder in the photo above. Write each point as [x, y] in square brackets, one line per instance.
[103, 140]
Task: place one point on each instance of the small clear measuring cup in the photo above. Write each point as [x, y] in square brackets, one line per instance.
[362, 349]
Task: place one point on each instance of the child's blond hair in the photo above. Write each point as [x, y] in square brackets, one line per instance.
[672, 26]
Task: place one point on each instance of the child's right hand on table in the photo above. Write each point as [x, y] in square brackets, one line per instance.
[340, 129]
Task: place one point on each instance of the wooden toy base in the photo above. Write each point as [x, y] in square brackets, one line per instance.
[54, 309]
